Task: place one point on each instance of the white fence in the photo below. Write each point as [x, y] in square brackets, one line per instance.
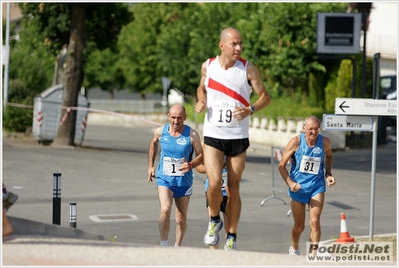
[267, 131]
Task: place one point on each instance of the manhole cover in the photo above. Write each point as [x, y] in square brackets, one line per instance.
[113, 217]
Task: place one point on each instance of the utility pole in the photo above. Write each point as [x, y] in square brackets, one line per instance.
[364, 69]
[7, 60]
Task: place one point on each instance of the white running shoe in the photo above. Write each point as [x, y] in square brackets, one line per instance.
[230, 244]
[211, 237]
[293, 252]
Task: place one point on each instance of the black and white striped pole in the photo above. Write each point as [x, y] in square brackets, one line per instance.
[57, 198]
[72, 215]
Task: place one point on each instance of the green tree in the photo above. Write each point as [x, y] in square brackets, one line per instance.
[279, 38]
[173, 40]
[174, 45]
[291, 43]
[341, 86]
[30, 62]
[84, 27]
[193, 37]
[102, 70]
[139, 45]
[30, 72]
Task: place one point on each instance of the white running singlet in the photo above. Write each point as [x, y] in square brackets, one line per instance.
[226, 90]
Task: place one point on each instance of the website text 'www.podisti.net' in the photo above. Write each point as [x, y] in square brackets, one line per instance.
[350, 252]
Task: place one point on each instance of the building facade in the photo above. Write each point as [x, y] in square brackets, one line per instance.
[382, 35]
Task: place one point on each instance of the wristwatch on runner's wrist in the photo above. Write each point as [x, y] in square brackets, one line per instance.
[252, 108]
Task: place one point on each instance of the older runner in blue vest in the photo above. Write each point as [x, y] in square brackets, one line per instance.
[174, 175]
[312, 162]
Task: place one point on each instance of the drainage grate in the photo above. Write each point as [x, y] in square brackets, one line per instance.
[113, 217]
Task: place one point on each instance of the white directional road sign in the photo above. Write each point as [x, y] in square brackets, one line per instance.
[359, 106]
[347, 122]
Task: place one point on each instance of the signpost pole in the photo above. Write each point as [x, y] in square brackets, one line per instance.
[373, 165]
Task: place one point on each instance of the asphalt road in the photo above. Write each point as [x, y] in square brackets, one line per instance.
[107, 178]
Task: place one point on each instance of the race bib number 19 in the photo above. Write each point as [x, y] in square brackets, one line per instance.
[310, 164]
[222, 113]
[171, 166]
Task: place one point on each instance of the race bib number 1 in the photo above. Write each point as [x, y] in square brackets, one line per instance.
[222, 115]
[310, 164]
[171, 166]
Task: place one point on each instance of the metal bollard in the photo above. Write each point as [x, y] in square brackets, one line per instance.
[72, 215]
[57, 198]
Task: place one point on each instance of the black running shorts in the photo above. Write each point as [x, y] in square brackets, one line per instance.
[228, 147]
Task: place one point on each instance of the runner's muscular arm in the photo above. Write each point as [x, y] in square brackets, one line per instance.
[201, 90]
[257, 85]
[199, 159]
[328, 163]
[201, 168]
[196, 142]
[291, 147]
[152, 152]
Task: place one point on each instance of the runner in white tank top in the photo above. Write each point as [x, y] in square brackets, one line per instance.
[224, 92]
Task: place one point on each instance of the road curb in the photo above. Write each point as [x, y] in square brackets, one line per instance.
[23, 227]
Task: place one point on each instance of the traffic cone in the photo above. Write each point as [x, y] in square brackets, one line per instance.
[345, 237]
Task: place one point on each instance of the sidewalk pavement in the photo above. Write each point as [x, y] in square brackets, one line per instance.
[39, 244]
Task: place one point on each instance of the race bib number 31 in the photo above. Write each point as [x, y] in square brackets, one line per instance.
[171, 166]
[222, 113]
[310, 164]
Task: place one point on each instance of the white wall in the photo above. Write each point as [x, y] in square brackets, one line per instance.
[261, 131]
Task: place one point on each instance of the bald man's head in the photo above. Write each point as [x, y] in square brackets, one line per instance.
[177, 108]
[228, 32]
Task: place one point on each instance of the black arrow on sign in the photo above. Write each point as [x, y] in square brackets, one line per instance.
[341, 106]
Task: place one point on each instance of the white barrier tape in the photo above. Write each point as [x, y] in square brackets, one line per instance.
[90, 110]
[68, 109]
